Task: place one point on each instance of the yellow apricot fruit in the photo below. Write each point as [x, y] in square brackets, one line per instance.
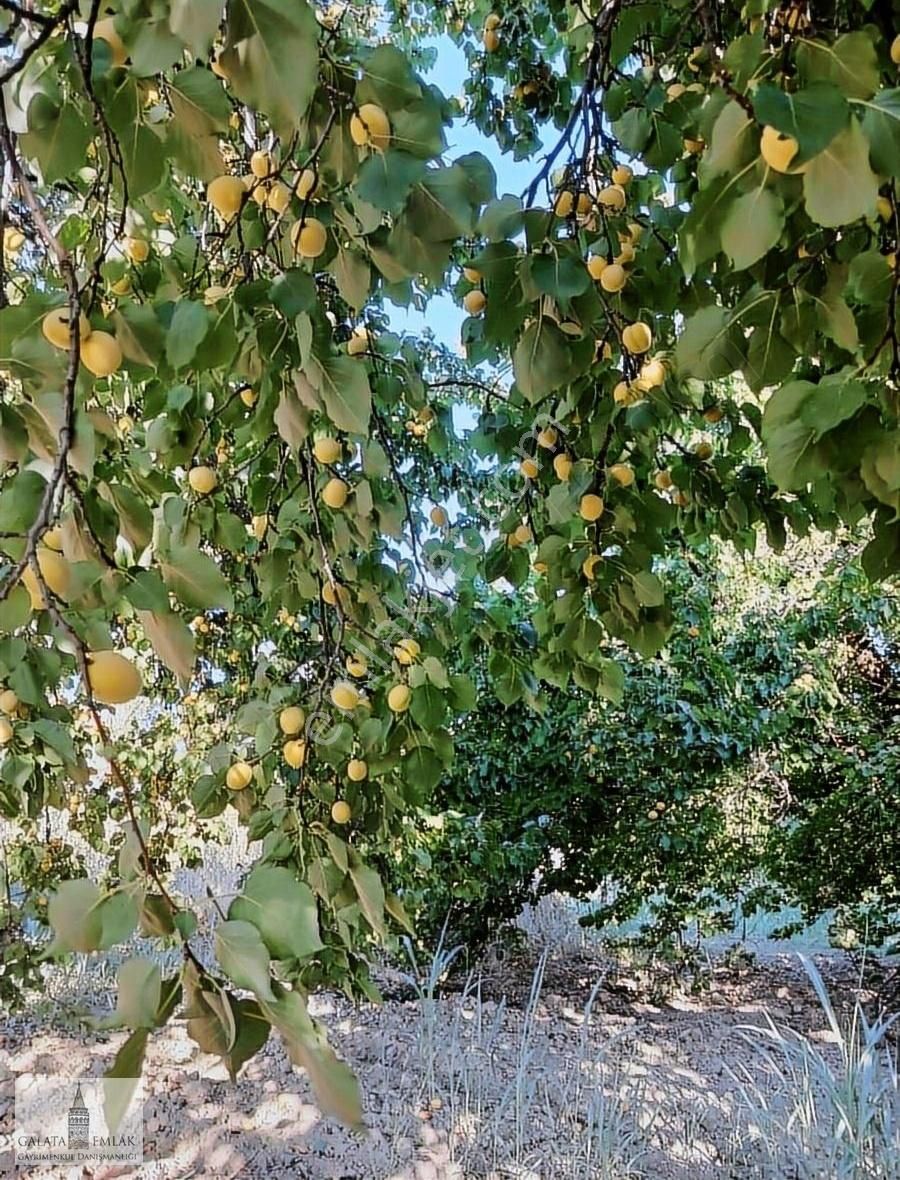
[55, 572]
[113, 678]
[895, 50]
[121, 286]
[564, 204]
[358, 342]
[562, 465]
[693, 147]
[344, 696]
[278, 197]
[714, 414]
[652, 374]
[622, 474]
[625, 255]
[547, 438]
[105, 30]
[238, 776]
[370, 127]
[398, 698]
[529, 468]
[327, 450]
[589, 565]
[306, 183]
[663, 480]
[308, 238]
[407, 651]
[584, 204]
[13, 240]
[622, 175]
[522, 534]
[471, 275]
[356, 666]
[778, 150]
[225, 194]
[492, 20]
[613, 278]
[439, 517]
[612, 198]
[56, 327]
[53, 540]
[136, 249]
[294, 753]
[101, 354]
[675, 90]
[622, 394]
[291, 719]
[637, 338]
[258, 525]
[340, 811]
[249, 397]
[596, 265]
[202, 480]
[335, 493]
[9, 702]
[703, 450]
[475, 302]
[357, 770]
[6, 732]
[591, 507]
[491, 40]
[261, 164]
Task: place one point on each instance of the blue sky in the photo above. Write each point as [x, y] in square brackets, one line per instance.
[442, 315]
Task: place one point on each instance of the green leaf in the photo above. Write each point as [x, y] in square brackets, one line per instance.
[271, 57]
[836, 399]
[542, 361]
[353, 277]
[345, 390]
[243, 957]
[813, 116]
[731, 146]
[20, 500]
[633, 130]
[293, 292]
[283, 909]
[142, 150]
[138, 995]
[838, 184]
[710, 345]
[648, 589]
[196, 579]
[881, 124]
[501, 218]
[74, 916]
[189, 326]
[196, 22]
[370, 892]
[60, 147]
[335, 1087]
[752, 226]
[387, 78]
[418, 128]
[172, 640]
[15, 609]
[386, 179]
[200, 110]
[560, 276]
[793, 459]
[291, 416]
[128, 1064]
[850, 63]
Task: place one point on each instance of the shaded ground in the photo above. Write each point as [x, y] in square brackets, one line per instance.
[593, 1079]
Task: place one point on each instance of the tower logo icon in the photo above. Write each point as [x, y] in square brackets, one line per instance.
[79, 1122]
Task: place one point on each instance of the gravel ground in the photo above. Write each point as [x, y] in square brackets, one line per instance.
[591, 1080]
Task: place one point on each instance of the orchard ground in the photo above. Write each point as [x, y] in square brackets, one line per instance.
[555, 1056]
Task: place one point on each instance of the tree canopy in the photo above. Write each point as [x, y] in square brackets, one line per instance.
[235, 487]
